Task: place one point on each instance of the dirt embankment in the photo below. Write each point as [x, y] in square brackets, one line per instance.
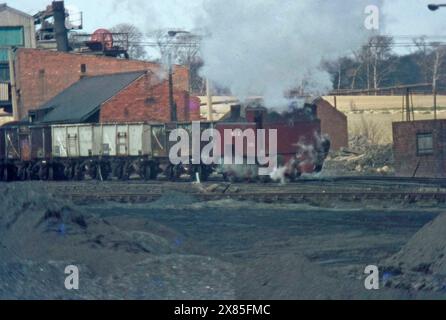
[117, 258]
[421, 263]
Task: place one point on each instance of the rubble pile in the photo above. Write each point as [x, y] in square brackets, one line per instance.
[362, 158]
[288, 276]
[421, 263]
[118, 256]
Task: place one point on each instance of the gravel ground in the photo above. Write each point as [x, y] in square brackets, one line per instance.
[178, 248]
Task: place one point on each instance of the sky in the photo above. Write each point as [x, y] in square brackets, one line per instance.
[402, 17]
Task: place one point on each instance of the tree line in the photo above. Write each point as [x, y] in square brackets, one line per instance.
[376, 65]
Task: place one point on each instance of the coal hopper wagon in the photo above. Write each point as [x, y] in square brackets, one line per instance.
[129, 150]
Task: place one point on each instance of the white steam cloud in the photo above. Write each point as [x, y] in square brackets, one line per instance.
[268, 47]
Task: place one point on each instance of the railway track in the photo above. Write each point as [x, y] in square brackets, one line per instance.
[268, 197]
[347, 189]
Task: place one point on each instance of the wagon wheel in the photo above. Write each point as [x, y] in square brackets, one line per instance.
[78, 172]
[43, 173]
[204, 173]
[68, 171]
[173, 173]
[93, 171]
[233, 179]
[155, 171]
[5, 174]
[102, 172]
[265, 179]
[125, 172]
[22, 173]
[50, 173]
[30, 172]
[117, 170]
[147, 172]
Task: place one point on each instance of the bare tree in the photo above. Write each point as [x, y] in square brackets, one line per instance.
[438, 61]
[431, 59]
[423, 59]
[375, 58]
[135, 37]
[183, 48]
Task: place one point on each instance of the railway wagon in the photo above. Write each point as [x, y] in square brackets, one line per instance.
[98, 151]
[101, 150]
[120, 150]
[25, 152]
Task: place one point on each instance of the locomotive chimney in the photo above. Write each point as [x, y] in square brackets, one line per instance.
[60, 30]
[236, 111]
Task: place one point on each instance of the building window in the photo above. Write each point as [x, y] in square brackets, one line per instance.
[4, 72]
[425, 144]
[10, 37]
[150, 101]
[83, 68]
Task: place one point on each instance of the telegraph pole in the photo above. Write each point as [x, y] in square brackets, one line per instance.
[435, 7]
[209, 100]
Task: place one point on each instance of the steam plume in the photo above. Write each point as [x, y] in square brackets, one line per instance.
[268, 47]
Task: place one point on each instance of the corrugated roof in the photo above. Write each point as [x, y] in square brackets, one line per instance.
[80, 101]
[4, 6]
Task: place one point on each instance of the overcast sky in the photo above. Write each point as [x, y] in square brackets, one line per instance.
[403, 17]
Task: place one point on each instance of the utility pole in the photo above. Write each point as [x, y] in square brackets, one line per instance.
[408, 113]
[209, 100]
[435, 7]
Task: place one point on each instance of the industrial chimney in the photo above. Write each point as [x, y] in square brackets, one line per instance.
[61, 33]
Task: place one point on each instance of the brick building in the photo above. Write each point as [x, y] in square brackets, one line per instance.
[419, 148]
[120, 97]
[143, 101]
[16, 30]
[41, 74]
[333, 123]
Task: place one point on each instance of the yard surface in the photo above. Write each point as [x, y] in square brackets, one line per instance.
[179, 248]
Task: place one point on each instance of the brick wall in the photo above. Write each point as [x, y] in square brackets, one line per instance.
[407, 161]
[333, 123]
[42, 74]
[143, 101]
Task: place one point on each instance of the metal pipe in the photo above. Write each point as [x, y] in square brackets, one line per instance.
[61, 33]
[15, 108]
[172, 105]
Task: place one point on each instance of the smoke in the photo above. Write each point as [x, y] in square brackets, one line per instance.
[153, 15]
[269, 47]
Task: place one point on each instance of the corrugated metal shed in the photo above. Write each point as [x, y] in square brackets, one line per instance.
[16, 28]
[84, 98]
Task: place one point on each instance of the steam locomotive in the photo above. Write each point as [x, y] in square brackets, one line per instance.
[126, 150]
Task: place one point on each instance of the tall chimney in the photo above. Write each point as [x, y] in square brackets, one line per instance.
[236, 111]
[59, 26]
